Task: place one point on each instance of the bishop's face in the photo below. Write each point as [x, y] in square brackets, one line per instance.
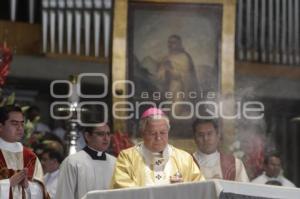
[156, 135]
[13, 128]
[99, 139]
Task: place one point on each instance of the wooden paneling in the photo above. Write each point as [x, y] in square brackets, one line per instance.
[22, 38]
[267, 70]
[100, 60]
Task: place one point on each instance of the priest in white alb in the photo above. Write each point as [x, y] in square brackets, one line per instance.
[21, 174]
[89, 169]
[154, 161]
[214, 164]
[273, 173]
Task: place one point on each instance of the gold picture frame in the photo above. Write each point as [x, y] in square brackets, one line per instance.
[120, 69]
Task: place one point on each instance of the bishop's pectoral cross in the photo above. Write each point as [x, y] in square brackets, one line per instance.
[158, 162]
[158, 177]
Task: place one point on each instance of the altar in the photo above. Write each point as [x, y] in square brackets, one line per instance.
[212, 189]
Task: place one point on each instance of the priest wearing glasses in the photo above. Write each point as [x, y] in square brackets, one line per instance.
[89, 169]
[154, 161]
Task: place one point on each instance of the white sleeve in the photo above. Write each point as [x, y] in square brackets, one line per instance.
[259, 180]
[35, 190]
[287, 183]
[4, 189]
[67, 180]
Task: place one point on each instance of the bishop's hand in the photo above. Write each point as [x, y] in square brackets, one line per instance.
[176, 178]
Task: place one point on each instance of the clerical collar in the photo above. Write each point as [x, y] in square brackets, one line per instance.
[273, 178]
[95, 155]
[208, 158]
[11, 146]
[151, 157]
[52, 174]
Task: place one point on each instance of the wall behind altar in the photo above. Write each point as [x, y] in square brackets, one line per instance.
[30, 78]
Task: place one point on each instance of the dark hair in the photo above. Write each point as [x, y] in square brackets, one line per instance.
[88, 130]
[204, 121]
[5, 110]
[271, 154]
[53, 154]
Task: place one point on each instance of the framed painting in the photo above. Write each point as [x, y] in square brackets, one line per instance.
[172, 54]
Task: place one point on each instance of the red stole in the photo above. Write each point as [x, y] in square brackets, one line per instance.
[227, 166]
[29, 159]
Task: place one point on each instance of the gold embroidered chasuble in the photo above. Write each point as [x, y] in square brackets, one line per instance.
[137, 166]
